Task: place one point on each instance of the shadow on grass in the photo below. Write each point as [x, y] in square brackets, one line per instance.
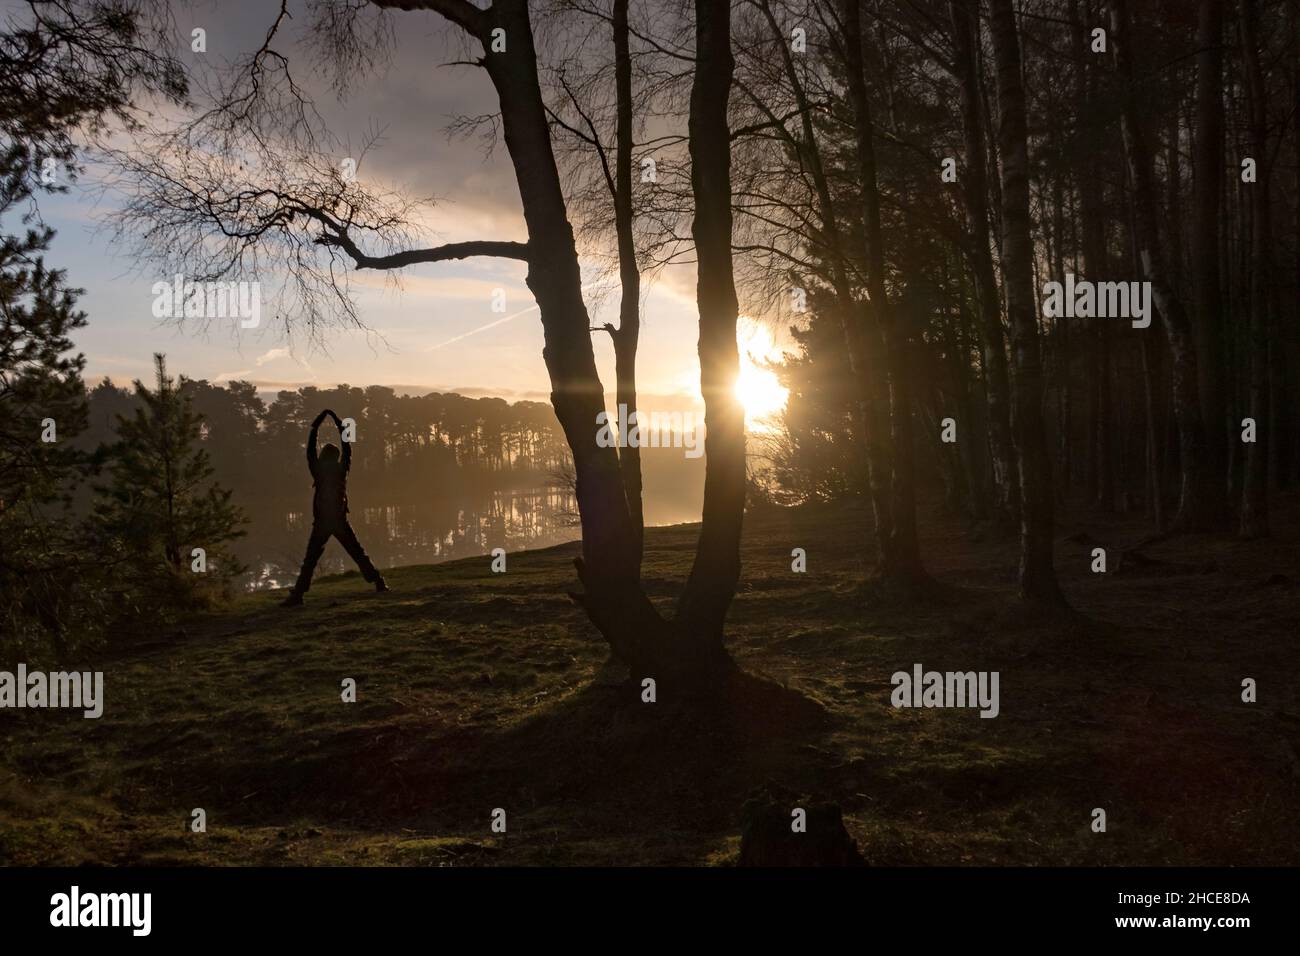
[599, 755]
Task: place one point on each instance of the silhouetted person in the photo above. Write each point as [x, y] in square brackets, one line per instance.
[329, 510]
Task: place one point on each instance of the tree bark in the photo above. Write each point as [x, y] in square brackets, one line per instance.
[688, 653]
[629, 310]
[903, 557]
[1288, 429]
[555, 281]
[1207, 191]
[716, 571]
[997, 385]
[1254, 499]
[1151, 437]
[862, 340]
[1037, 570]
[1098, 466]
[1195, 510]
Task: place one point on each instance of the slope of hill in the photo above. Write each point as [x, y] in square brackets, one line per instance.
[478, 691]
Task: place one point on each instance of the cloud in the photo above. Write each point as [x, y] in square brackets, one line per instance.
[436, 318]
[509, 394]
[275, 354]
[271, 356]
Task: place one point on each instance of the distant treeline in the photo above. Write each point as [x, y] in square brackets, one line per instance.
[407, 448]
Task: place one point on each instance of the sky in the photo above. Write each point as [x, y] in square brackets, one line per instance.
[431, 327]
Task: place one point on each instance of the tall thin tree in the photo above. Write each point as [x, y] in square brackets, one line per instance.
[1037, 568]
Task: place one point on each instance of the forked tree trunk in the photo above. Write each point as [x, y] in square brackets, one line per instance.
[608, 543]
[608, 567]
[689, 652]
[997, 385]
[1037, 569]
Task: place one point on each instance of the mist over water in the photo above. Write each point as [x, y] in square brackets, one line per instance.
[434, 478]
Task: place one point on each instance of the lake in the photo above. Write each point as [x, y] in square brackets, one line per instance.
[395, 535]
[441, 529]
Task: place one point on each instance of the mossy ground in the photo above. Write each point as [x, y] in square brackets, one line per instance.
[481, 690]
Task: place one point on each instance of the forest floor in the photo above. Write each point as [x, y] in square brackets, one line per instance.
[480, 690]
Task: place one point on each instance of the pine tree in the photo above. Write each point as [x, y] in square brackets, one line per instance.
[67, 68]
[43, 587]
[161, 503]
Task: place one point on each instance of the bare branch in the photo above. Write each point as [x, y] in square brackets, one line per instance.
[464, 14]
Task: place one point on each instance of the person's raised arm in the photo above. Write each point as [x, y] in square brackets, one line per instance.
[311, 440]
[347, 445]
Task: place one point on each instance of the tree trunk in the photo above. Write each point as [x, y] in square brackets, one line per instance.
[1037, 571]
[1154, 482]
[1195, 510]
[689, 654]
[608, 567]
[862, 340]
[629, 272]
[867, 359]
[716, 571]
[1291, 434]
[1106, 423]
[997, 386]
[1096, 262]
[1207, 190]
[903, 558]
[1254, 499]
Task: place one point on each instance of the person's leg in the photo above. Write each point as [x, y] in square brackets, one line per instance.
[315, 548]
[348, 538]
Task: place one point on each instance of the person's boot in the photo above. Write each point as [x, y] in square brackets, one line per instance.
[381, 585]
[293, 600]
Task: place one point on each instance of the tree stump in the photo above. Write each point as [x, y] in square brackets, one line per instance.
[768, 836]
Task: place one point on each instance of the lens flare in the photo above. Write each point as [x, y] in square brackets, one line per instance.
[757, 387]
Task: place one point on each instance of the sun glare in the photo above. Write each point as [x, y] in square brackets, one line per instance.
[758, 388]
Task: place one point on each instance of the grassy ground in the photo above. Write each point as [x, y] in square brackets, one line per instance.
[480, 690]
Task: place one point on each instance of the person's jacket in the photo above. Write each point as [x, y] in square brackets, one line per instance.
[331, 480]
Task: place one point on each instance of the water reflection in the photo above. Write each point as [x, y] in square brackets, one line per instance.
[396, 535]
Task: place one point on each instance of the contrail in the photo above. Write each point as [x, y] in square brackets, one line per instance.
[494, 324]
[481, 328]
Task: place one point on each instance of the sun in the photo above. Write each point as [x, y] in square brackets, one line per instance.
[757, 388]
